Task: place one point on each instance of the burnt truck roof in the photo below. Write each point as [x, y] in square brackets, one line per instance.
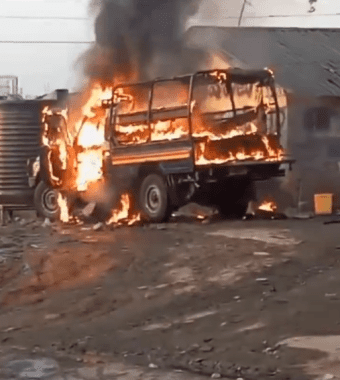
[250, 76]
[235, 75]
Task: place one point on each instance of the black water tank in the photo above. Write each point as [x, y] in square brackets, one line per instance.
[20, 138]
[62, 97]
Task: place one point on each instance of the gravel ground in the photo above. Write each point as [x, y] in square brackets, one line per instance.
[187, 299]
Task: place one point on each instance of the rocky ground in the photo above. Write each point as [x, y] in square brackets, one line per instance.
[256, 299]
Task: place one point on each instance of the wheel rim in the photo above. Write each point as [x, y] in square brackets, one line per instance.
[153, 199]
[50, 200]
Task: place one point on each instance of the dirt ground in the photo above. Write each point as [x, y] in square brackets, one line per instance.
[218, 297]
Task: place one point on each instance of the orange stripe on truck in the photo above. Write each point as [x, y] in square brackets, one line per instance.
[149, 157]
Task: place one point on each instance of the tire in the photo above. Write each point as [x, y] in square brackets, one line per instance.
[46, 201]
[235, 209]
[153, 199]
[234, 198]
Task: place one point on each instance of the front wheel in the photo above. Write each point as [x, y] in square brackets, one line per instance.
[46, 201]
[153, 199]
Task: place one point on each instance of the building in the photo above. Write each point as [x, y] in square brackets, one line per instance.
[306, 62]
[8, 85]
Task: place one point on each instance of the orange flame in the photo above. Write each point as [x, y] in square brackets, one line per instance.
[268, 206]
[64, 214]
[121, 215]
[91, 137]
[90, 164]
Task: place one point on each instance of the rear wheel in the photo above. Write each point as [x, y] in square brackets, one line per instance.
[233, 197]
[153, 199]
[46, 201]
[233, 208]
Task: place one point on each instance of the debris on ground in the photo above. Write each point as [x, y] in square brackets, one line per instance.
[47, 223]
[98, 226]
[88, 210]
[261, 254]
[194, 211]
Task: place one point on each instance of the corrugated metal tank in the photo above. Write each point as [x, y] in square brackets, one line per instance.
[20, 134]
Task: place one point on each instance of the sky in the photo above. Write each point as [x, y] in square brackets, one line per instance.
[42, 68]
[289, 13]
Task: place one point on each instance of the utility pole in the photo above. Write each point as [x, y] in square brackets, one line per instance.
[242, 11]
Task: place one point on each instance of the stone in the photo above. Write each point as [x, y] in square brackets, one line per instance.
[51, 317]
[34, 368]
[88, 372]
[114, 369]
[328, 376]
[261, 254]
[133, 374]
[194, 347]
[216, 376]
[281, 300]
[162, 286]
[88, 209]
[153, 366]
[206, 348]
[71, 377]
[150, 294]
[98, 227]
[47, 223]
[262, 280]
[331, 296]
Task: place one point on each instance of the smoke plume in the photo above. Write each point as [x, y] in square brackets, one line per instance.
[140, 40]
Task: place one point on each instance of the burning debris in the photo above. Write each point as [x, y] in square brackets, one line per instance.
[123, 215]
[266, 210]
[64, 213]
[268, 206]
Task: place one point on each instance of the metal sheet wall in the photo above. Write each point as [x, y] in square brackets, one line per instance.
[20, 131]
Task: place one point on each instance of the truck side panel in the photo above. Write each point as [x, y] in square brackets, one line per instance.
[153, 153]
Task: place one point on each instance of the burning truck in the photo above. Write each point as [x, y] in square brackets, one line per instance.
[149, 148]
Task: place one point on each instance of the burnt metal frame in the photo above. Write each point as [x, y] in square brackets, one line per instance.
[265, 77]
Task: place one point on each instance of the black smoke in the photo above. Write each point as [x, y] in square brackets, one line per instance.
[140, 40]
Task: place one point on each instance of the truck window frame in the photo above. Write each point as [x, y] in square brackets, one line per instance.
[263, 77]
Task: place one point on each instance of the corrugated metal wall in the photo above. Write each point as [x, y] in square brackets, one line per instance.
[20, 131]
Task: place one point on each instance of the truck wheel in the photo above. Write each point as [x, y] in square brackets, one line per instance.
[233, 209]
[153, 199]
[233, 201]
[46, 201]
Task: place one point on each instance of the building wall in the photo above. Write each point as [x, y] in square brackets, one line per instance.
[314, 141]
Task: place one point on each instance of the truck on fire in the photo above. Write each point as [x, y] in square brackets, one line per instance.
[206, 137]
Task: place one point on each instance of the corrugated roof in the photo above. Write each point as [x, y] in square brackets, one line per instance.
[303, 60]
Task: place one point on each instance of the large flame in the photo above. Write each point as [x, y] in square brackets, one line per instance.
[89, 168]
[91, 137]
